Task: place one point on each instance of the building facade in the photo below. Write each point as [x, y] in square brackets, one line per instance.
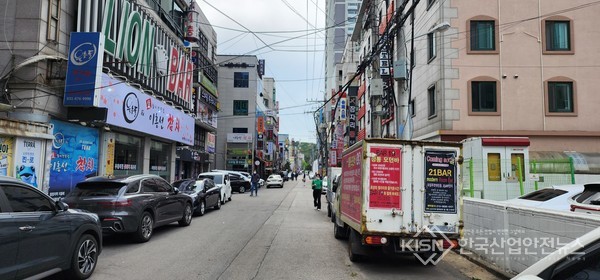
[458, 70]
[240, 88]
[95, 88]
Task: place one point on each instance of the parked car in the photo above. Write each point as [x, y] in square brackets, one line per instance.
[204, 193]
[578, 259]
[554, 198]
[261, 182]
[284, 176]
[588, 201]
[274, 180]
[222, 180]
[40, 237]
[325, 185]
[330, 195]
[133, 204]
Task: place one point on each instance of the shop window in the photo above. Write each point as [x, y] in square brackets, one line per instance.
[517, 163]
[240, 107]
[128, 155]
[240, 79]
[160, 159]
[557, 35]
[561, 97]
[482, 38]
[484, 97]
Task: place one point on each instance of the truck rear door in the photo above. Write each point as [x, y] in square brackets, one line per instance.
[384, 198]
[436, 190]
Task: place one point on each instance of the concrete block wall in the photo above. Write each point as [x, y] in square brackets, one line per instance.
[515, 237]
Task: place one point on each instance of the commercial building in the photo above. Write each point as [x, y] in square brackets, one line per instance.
[248, 121]
[97, 88]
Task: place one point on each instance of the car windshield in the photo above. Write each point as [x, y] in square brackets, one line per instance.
[274, 177]
[86, 189]
[218, 178]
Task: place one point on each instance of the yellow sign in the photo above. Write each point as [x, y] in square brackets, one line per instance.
[110, 157]
[6, 156]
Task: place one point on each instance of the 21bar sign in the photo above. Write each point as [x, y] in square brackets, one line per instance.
[440, 182]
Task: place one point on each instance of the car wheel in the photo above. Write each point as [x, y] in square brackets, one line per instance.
[218, 206]
[145, 228]
[202, 208]
[84, 259]
[242, 189]
[186, 220]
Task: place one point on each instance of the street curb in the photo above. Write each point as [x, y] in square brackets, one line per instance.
[490, 267]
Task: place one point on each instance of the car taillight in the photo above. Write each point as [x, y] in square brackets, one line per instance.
[376, 240]
[115, 204]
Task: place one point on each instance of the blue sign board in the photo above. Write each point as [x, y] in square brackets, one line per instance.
[74, 156]
[83, 78]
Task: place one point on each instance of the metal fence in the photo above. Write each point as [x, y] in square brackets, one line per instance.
[510, 178]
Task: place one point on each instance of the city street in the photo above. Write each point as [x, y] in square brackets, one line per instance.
[277, 235]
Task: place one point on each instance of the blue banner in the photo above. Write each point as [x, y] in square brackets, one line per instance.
[74, 156]
[83, 78]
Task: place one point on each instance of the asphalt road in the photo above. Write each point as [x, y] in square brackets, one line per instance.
[277, 235]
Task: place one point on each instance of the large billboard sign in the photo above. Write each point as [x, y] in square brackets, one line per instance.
[132, 38]
[130, 108]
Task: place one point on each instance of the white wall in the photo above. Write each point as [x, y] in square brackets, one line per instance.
[514, 238]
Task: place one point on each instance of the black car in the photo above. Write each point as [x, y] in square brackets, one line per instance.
[40, 237]
[132, 204]
[238, 184]
[204, 193]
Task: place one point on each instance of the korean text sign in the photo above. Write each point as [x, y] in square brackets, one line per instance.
[440, 182]
[351, 195]
[384, 177]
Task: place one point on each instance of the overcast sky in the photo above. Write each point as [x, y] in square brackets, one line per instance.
[296, 64]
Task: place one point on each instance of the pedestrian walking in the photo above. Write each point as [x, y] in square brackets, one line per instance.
[254, 184]
[317, 185]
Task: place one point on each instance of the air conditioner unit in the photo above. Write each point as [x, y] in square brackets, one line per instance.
[400, 69]
[376, 87]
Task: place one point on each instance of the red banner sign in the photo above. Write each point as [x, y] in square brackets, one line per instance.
[384, 177]
[351, 195]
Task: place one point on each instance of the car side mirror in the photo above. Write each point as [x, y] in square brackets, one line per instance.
[61, 206]
[175, 190]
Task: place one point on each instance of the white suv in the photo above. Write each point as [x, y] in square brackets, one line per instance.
[221, 179]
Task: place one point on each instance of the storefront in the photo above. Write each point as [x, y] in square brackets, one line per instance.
[160, 159]
[128, 154]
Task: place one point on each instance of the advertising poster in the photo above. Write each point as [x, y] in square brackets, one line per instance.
[351, 185]
[6, 156]
[440, 182]
[384, 178]
[74, 156]
[28, 160]
[210, 143]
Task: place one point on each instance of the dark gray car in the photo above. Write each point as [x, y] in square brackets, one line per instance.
[40, 237]
[133, 204]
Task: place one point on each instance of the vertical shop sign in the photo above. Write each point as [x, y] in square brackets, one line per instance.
[85, 64]
[260, 125]
[440, 182]
[28, 160]
[110, 156]
[6, 156]
[210, 143]
[384, 177]
[74, 156]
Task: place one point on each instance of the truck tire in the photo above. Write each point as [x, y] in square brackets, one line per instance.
[353, 244]
[339, 232]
